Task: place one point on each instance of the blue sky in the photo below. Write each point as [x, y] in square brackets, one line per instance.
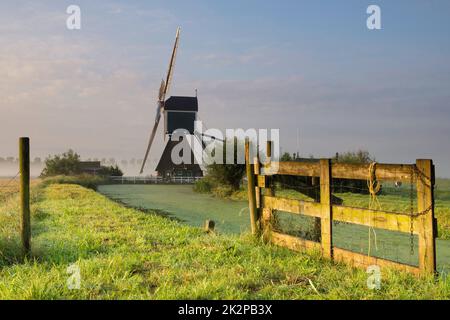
[307, 67]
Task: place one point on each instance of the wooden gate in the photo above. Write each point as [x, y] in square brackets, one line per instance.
[262, 203]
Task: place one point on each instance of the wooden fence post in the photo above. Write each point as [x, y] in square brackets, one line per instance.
[256, 172]
[24, 164]
[325, 201]
[268, 188]
[251, 189]
[427, 241]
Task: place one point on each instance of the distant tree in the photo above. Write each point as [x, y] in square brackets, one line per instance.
[356, 157]
[286, 157]
[37, 160]
[67, 163]
[112, 171]
[227, 174]
[350, 185]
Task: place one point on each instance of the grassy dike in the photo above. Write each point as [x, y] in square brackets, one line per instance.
[124, 253]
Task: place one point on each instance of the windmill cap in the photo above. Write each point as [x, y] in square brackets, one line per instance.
[177, 103]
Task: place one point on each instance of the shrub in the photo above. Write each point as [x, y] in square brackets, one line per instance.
[356, 157]
[66, 164]
[203, 186]
[227, 174]
[69, 164]
[224, 191]
[112, 171]
[351, 185]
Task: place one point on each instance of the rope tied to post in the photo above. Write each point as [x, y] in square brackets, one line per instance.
[374, 187]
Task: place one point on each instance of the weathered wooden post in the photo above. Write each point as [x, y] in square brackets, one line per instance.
[251, 189]
[425, 205]
[325, 201]
[209, 226]
[266, 213]
[269, 191]
[24, 163]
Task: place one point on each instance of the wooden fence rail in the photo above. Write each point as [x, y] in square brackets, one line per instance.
[262, 203]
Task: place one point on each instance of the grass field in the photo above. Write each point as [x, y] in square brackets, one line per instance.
[180, 202]
[124, 253]
[10, 186]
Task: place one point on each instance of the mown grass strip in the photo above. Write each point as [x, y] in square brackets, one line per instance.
[124, 253]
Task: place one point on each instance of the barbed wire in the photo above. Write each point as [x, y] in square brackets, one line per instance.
[386, 201]
[3, 186]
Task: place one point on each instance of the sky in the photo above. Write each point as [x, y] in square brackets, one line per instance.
[309, 68]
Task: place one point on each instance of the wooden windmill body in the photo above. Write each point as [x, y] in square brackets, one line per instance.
[180, 113]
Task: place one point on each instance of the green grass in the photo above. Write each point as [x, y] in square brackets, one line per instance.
[128, 254]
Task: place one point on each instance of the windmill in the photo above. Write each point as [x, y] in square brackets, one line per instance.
[179, 113]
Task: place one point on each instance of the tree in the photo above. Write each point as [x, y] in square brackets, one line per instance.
[66, 164]
[352, 185]
[112, 171]
[69, 164]
[227, 174]
[286, 157]
[355, 157]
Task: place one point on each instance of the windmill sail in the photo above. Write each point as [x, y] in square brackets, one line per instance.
[152, 137]
[163, 90]
[171, 64]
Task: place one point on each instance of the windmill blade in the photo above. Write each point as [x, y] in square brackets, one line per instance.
[171, 65]
[152, 137]
[161, 91]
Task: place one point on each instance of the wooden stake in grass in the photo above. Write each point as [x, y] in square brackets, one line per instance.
[209, 226]
[24, 160]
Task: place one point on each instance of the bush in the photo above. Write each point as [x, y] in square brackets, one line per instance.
[356, 157]
[227, 174]
[69, 164]
[224, 191]
[66, 164]
[203, 186]
[351, 185]
[112, 171]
